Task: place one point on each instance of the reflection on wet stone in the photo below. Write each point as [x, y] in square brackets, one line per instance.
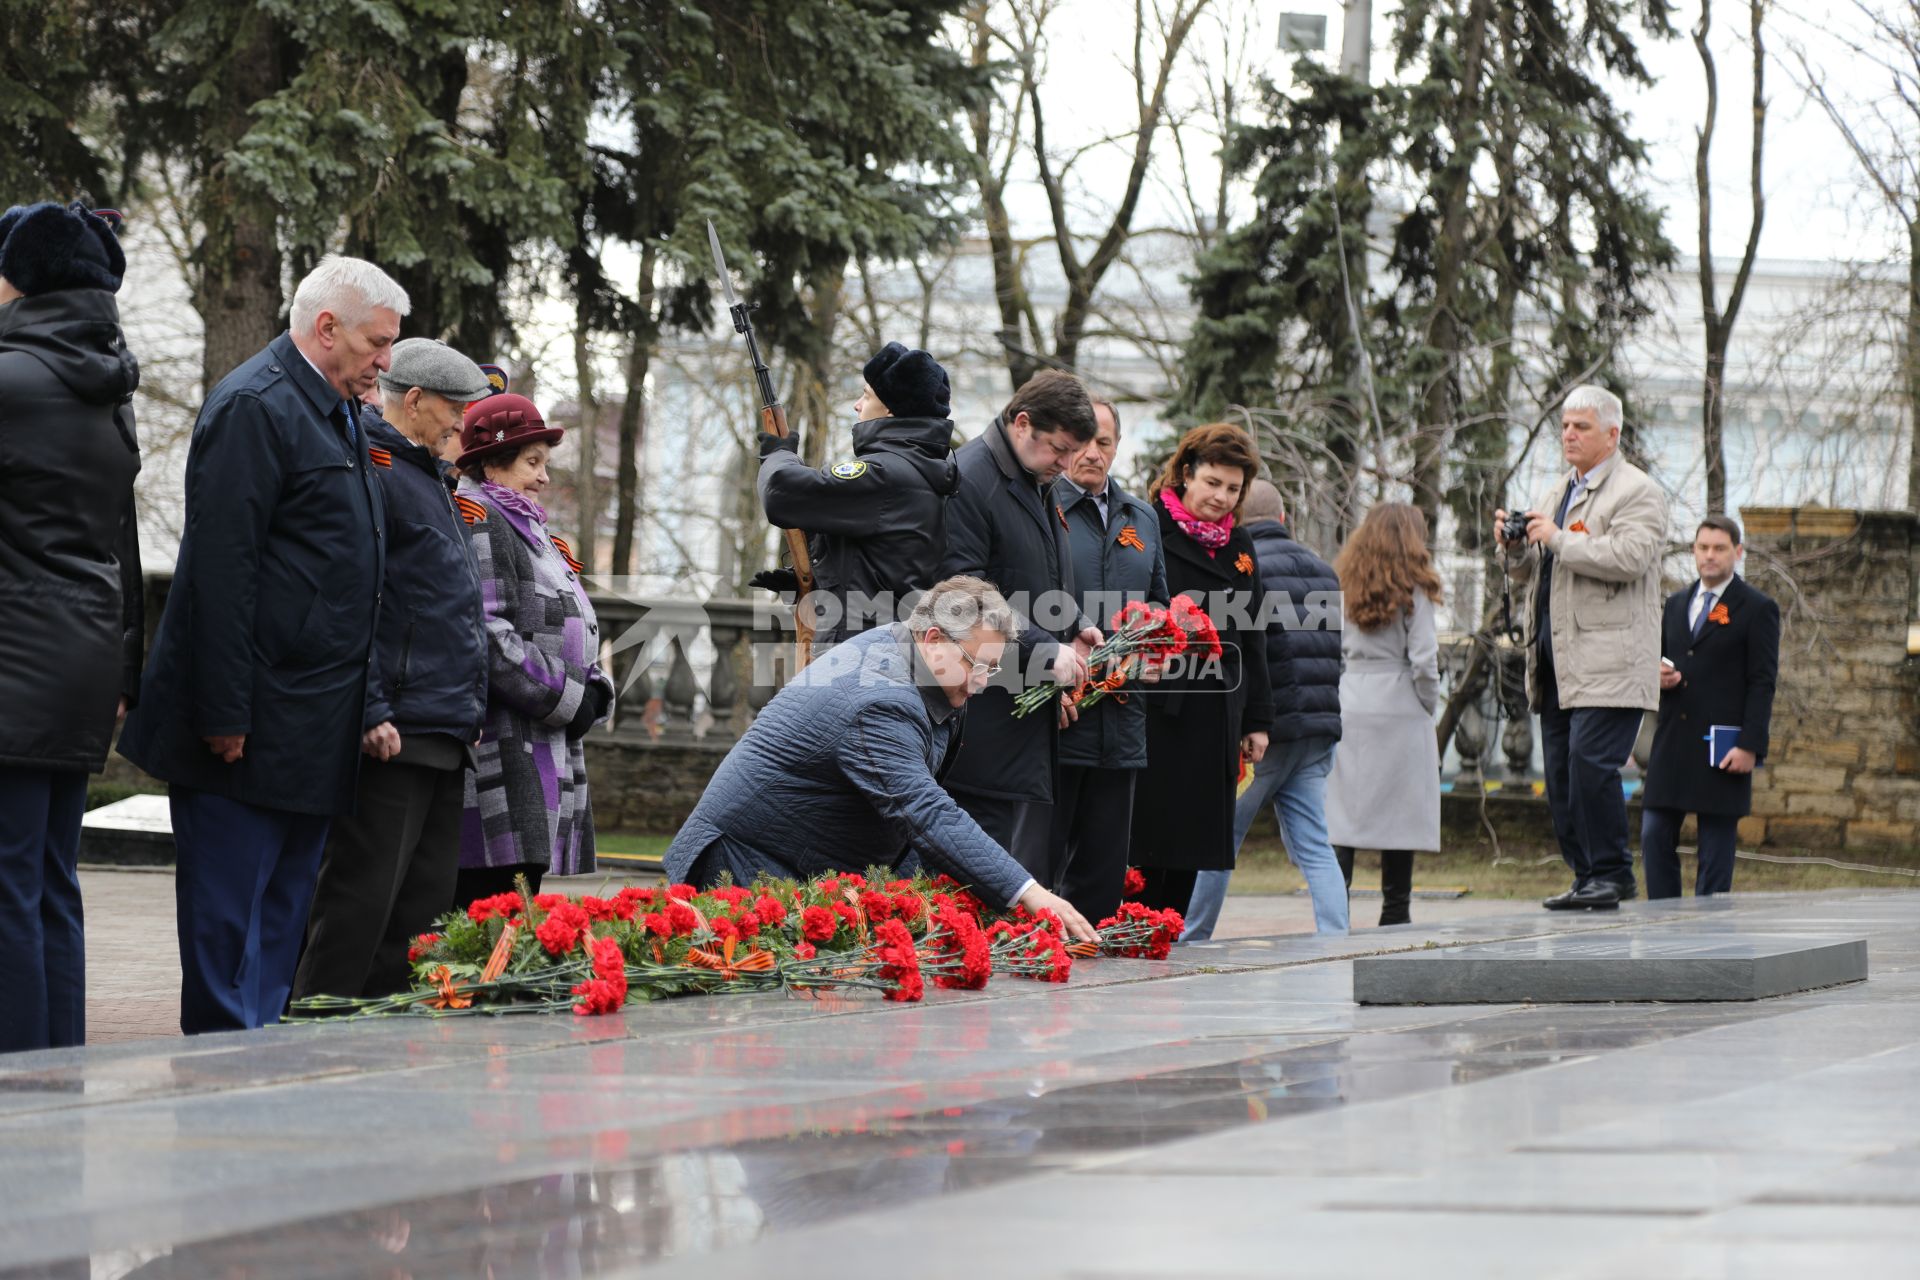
[712, 1141]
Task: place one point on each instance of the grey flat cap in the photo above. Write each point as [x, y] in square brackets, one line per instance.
[434, 366]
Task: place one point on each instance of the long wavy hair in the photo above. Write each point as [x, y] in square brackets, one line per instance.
[1220, 443]
[1383, 564]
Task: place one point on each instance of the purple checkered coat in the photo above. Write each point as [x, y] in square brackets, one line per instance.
[527, 800]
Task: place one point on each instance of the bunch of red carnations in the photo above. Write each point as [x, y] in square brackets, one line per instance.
[595, 955]
[1142, 636]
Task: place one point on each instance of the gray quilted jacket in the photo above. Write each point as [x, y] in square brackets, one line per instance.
[837, 774]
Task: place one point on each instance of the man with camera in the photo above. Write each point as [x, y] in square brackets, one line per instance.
[1590, 558]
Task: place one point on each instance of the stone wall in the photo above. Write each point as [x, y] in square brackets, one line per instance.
[1844, 771]
[647, 788]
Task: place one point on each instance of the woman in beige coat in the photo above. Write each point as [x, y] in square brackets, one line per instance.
[1384, 791]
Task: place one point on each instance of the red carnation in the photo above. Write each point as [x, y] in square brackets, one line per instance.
[421, 946]
[563, 928]
[658, 925]
[681, 892]
[818, 924]
[1135, 884]
[804, 950]
[770, 910]
[682, 917]
[899, 963]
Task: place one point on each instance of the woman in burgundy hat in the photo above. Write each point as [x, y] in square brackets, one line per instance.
[527, 809]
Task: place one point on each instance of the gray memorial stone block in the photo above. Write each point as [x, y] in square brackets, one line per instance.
[1667, 965]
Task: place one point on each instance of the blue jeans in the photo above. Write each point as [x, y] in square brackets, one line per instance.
[1293, 775]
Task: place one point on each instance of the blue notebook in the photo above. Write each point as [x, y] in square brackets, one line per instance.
[1720, 739]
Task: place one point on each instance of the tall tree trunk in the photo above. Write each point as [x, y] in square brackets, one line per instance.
[1453, 248]
[633, 418]
[238, 291]
[1009, 291]
[1911, 368]
[815, 371]
[586, 488]
[1718, 323]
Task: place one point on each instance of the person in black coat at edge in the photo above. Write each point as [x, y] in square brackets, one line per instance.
[1003, 525]
[1720, 658]
[1117, 557]
[876, 522]
[254, 700]
[1209, 720]
[389, 869]
[1303, 670]
[70, 605]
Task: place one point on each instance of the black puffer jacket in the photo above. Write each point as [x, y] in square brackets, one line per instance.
[429, 673]
[1303, 646]
[70, 608]
[876, 522]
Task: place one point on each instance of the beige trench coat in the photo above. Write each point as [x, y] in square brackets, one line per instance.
[1606, 590]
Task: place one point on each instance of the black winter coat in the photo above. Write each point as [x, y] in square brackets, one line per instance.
[876, 523]
[1110, 569]
[1183, 803]
[1004, 527]
[70, 603]
[1727, 677]
[429, 673]
[268, 630]
[1303, 642]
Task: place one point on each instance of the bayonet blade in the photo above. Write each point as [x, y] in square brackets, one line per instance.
[720, 265]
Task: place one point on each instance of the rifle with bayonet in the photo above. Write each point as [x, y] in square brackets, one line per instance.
[773, 420]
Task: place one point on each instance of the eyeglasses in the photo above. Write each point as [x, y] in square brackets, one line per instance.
[987, 669]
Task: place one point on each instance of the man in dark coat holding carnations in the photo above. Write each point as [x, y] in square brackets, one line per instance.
[70, 609]
[254, 701]
[1117, 557]
[1720, 658]
[1005, 526]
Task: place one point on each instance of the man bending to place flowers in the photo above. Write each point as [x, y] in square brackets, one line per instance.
[840, 772]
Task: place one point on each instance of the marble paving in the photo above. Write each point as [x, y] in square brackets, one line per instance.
[1230, 1112]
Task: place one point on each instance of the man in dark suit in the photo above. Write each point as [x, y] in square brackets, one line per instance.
[253, 703]
[1720, 655]
[1004, 525]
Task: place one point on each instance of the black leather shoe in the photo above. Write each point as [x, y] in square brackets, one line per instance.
[1601, 895]
[1561, 901]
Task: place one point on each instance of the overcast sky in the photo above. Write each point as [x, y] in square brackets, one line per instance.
[1817, 206]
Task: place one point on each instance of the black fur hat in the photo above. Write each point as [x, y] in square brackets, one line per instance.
[45, 247]
[910, 383]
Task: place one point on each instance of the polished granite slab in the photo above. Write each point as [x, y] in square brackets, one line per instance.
[1660, 964]
[1231, 1112]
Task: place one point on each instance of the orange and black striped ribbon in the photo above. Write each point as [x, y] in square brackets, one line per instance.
[566, 553]
[380, 457]
[471, 511]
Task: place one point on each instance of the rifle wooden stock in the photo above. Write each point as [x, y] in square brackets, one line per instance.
[773, 420]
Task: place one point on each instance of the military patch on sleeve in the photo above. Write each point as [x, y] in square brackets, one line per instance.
[471, 511]
[848, 470]
[379, 457]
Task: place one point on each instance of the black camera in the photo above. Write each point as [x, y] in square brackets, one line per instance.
[1515, 529]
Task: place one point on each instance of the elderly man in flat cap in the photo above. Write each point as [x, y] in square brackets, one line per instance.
[388, 870]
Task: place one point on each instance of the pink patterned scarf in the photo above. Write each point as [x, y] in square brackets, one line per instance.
[1211, 534]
